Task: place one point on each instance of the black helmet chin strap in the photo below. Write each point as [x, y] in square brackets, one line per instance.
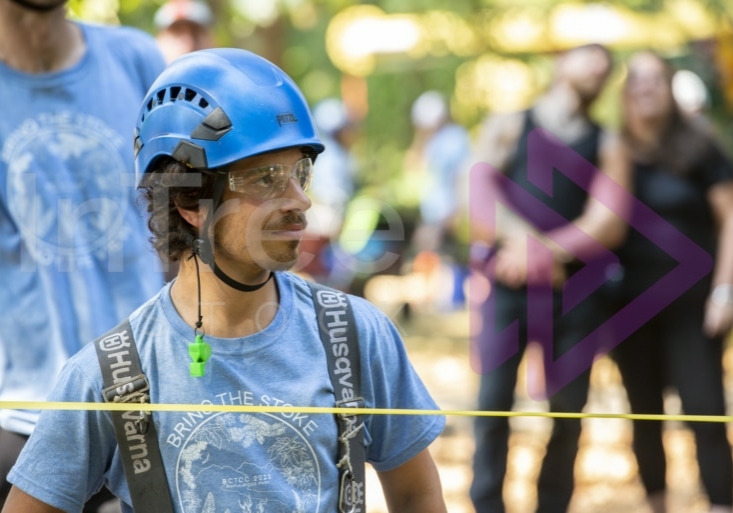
[203, 247]
[199, 350]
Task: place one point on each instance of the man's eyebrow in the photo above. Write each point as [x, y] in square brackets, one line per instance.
[250, 168]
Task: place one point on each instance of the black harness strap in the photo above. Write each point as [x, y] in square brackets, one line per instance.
[135, 431]
[337, 328]
[125, 382]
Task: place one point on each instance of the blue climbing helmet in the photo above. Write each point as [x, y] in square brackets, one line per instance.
[213, 107]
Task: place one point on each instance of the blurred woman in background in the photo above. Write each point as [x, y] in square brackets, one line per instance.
[683, 176]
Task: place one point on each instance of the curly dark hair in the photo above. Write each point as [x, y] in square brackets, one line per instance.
[170, 186]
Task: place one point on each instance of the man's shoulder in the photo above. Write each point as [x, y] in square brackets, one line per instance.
[507, 120]
[123, 42]
[144, 317]
[498, 137]
[361, 306]
[504, 127]
[117, 34]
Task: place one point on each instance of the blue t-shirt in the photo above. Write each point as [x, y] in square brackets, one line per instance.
[445, 155]
[225, 461]
[74, 254]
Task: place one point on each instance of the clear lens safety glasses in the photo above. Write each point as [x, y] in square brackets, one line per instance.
[270, 181]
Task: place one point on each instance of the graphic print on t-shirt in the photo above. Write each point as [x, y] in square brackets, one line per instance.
[64, 186]
[247, 463]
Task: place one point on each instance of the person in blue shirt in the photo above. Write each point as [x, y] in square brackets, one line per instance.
[441, 149]
[332, 190]
[225, 147]
[73, 254]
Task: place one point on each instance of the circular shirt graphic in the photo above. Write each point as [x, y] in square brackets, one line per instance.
[279, 475]
[65, 190]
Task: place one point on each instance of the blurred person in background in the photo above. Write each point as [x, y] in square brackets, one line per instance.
[681, 174]
[500, 247]
[440, 150]
[332, 188]
[73, 254]
[183, 26]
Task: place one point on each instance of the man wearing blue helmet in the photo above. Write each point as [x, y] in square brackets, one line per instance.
[225, 148]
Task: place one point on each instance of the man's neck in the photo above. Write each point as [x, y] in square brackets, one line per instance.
[38, 42]
[562, 113]
[227, 313]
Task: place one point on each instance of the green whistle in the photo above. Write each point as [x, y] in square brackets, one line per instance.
[199, 351]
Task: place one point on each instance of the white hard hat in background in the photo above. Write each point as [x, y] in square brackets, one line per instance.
[195, 11]
[330, 116]
[429, 111]
[690, 91]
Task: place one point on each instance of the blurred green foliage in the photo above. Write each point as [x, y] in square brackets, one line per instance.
[292, 34]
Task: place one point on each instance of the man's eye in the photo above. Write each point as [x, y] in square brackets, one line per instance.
[262, 178]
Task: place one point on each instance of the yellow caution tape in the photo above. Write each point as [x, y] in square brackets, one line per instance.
[47, 405]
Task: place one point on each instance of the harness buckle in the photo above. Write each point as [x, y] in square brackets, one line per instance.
[131, 390]
[128, 390]
[348, 493]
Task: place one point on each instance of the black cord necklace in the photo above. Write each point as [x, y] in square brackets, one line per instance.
[198, 350]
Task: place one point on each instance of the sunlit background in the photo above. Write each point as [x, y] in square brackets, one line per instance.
[486, 56]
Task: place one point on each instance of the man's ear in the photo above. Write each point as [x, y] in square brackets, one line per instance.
[193, 217]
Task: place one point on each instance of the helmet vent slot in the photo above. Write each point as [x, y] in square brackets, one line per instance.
[190, 94]
[203, 103]
[161, 96]
[175, 91]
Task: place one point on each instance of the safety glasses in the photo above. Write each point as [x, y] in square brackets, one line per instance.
[270, 181]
